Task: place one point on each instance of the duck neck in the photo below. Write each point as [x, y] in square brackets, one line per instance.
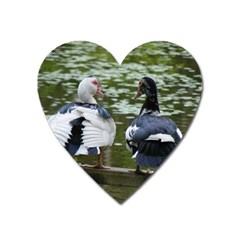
[150, 106]
[86, 97]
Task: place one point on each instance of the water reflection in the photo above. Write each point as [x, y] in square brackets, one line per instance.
[175, 71]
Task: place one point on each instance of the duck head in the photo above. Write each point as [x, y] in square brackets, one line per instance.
[147, 86]
[89, 87]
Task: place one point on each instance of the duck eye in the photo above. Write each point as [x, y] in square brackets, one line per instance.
[94, 82]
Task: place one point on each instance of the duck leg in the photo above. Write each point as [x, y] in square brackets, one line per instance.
[98, 165]
[99, 162]
[139, 171]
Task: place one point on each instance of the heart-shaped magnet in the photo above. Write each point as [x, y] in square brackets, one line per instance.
[119, 122]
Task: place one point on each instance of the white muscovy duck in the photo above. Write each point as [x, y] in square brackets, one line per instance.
[84, 127]
[151, 137]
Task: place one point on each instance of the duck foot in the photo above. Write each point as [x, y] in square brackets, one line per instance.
[97, 166]
[142, 172]
[139, 171]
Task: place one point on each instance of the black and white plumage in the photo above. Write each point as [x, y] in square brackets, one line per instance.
[151, 137]
[84, 127]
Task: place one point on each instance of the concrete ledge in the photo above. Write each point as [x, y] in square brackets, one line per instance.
[117, 176]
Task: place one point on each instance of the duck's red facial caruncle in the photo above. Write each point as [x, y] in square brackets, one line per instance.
[98, 88]
[139, 91]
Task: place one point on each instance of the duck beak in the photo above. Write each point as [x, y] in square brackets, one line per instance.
[139, 94]
[99, 93]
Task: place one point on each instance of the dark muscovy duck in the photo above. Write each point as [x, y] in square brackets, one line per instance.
[84, 127]
[151, 137]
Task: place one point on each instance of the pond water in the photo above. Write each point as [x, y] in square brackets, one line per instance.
[175, 71]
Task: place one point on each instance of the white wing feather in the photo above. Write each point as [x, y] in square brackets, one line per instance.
[97, 131]
[60, 126]
[131, 130]
[162, 137]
